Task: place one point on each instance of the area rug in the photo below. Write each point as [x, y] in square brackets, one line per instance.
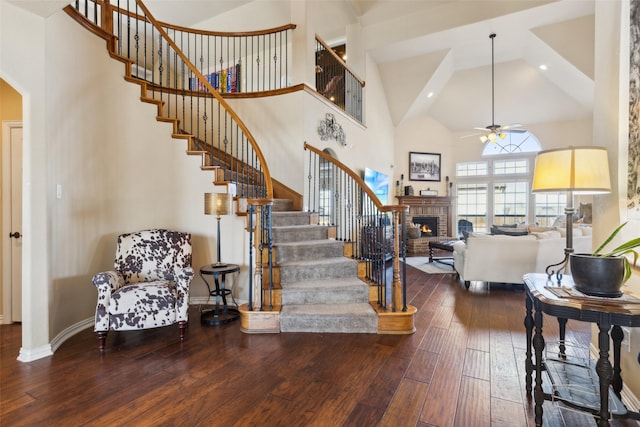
[436, 267]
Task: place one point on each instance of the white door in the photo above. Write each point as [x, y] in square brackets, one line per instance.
[12, 221]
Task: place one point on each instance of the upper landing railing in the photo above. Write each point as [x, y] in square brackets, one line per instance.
[337, 82]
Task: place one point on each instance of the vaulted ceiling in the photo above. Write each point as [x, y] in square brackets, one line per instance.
[434, 56]
[435, 59]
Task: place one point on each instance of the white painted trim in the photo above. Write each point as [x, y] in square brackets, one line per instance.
[7, 126]
[57, 341]
[48, 350]
[29, 355]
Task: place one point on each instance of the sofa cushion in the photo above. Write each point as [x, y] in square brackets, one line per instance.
[551, 234]
[576, 232]
[510, 231]
[538, 229]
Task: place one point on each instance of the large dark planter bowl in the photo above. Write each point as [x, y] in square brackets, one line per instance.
[597, 276]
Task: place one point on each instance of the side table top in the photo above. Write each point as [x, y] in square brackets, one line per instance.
[219, 268]
[564, 299]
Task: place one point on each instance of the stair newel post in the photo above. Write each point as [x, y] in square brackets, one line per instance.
[403, 254]
[396, 286]
[251, 210]
[257, 285]
[269, 225]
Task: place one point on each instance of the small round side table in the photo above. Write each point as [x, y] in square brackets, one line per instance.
[220, 313]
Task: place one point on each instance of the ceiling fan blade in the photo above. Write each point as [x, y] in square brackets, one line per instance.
[513, 125]
[469, 136]
[513, 130]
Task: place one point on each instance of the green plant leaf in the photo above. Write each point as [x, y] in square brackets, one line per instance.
[609, 239]
[625, 247]
[627, 270]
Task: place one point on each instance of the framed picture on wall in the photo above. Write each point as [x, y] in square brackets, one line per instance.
[424, 166]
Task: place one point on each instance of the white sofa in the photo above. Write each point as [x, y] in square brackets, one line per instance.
[505, 259]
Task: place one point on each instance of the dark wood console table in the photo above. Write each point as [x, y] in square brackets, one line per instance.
[609, 314]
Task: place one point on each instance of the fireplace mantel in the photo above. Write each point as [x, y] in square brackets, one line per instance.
[432, 206]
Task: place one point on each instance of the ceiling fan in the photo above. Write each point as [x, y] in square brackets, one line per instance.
[492, 132]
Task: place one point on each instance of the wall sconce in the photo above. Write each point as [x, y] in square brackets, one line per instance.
[329, 128]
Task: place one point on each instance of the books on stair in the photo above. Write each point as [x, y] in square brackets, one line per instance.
[224, 81]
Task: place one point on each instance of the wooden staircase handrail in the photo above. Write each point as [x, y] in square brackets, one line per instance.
[263, 32]
[358, 180]
[221, 100]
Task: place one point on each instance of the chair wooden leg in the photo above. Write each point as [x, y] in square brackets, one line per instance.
[102, 337]
[183, 326]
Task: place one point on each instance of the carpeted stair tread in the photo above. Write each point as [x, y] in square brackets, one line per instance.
[312, 269]
[326, 283]
[286, 218]
[308, 249]
[322, 291]
[298, 233]
[337, 318]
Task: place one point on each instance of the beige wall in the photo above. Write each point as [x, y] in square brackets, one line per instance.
[10, 109]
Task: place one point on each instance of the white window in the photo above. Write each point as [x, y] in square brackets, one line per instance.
[472, 204]
[510, 202]
[472, 169]
[549, 206]
[515, 142]
[511, 167]
[499, 192]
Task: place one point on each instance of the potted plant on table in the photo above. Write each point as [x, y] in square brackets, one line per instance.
[603, 273]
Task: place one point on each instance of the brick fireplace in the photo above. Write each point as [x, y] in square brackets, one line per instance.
[420, 207]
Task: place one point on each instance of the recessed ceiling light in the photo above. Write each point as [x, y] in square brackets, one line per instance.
[430, 95]
[543, 67]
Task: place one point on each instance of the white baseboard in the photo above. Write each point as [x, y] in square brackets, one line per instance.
[67, 333]
[29, 355]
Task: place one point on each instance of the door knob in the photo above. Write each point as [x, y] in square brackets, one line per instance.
[15, 234]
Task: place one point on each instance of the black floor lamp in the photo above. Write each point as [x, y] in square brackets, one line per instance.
[576, 170]
[217, 204]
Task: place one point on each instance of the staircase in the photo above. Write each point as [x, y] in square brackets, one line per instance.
[320, 288]
[317, 280]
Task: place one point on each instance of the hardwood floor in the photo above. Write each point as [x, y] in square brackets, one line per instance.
[464, 366]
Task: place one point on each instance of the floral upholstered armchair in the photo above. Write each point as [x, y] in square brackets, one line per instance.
[149, 286]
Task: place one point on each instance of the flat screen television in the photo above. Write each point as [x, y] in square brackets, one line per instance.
[378, 182]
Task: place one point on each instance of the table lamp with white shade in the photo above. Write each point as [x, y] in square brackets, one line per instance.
[217, 204]
[576, 170]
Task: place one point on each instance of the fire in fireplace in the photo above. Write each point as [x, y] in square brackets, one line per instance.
[428, 225]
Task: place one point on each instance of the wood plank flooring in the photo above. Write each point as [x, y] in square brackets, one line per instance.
[464, 366]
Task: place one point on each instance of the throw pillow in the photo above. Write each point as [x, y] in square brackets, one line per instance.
[509, 231]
